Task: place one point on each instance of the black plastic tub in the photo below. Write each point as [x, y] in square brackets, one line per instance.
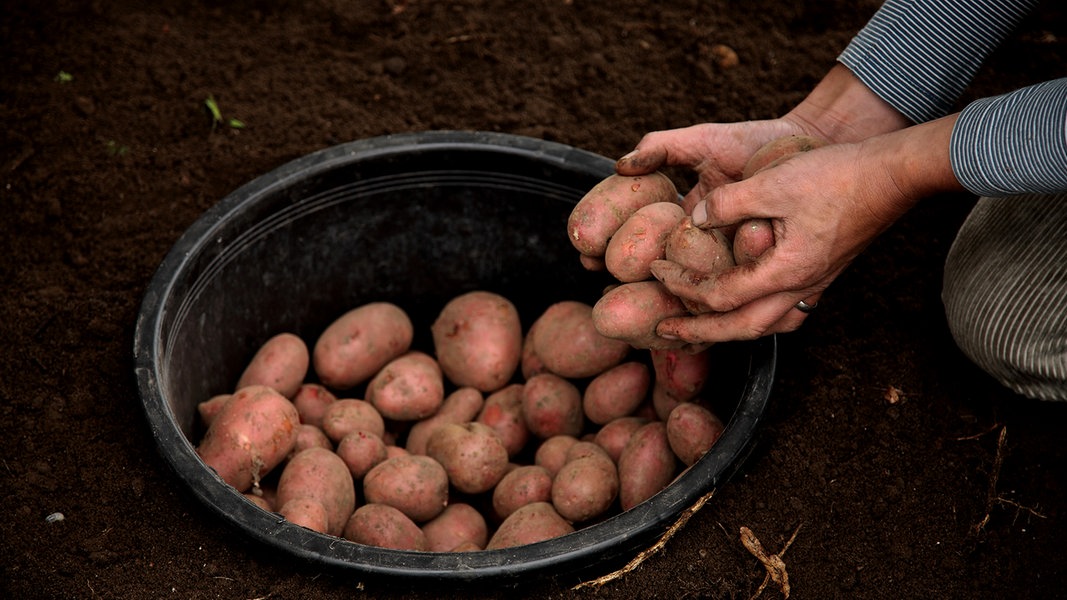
[414, 219]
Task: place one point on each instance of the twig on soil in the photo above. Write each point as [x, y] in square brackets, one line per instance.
[644, 554]
[992, 497]
[772, 562]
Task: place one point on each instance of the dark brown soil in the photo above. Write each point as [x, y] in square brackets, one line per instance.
[99, 175]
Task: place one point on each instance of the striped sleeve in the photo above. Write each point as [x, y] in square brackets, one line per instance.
[919, 55]
[1013, 144]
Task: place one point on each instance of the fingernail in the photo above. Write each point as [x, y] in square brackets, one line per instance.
[628, 156]
[668, 336]
[700, 213]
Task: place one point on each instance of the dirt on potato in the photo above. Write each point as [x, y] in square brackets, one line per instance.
[902, 470]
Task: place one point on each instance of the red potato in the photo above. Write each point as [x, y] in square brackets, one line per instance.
[461, 406]
[702, 250]
[503, 413]
[281, 363]
[692, 430]
[521, 486]
[306, 512]
[394, 451]
[259, 501]
[361, 451]
[531, 523]
[251, 435]
[616, 392]
[209, 409]
[408, 388]
[311, 401]
[530, 363]
[320, 475]
[415, 485]
[646, 466]
[662, 402]
[777, 150]
[570, 345]
[552, 453]
[600, 213]
[592, 263]
[552, 405]
[383, 526]
[614, 435]
[641, 240]
[459, 528]
[587, 485]
[472, 454]
[309, 436]
[351, 414]
[478, 340]
[359, 343]
[682, 374]
[631, 311]
[752, 239]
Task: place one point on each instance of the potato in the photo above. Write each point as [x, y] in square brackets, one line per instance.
[477, 339]
[691, 431]
[472, 454]
[351, 414]
[309, 436]
[752, 239]
[530, 363]
[461, 406]
[385, 527]
[306, 512]
[641, 240]
[259, 501]
[209, 409]
[616, 392]
[359, 343]
[646, 465]
[587, 485]
[393, 451]
[570, 345]
[552, 405]
[460, 527]
[281, 363]
[630, 313]
[521, 486]
[531, 523]
[662, 402]
[600, 213]
[552, 453]
[251, 435]
[703, 250]
[503, 413]
[681, 374]
[311, 401]
[361, 451]
[320, 475]
[615, 434]
[777, 150]
[408, 388]
[415, 485]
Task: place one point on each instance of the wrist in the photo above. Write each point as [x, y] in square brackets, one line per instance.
[842, 109]
[917, 159]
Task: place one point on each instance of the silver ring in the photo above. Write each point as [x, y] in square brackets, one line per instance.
[804, 307]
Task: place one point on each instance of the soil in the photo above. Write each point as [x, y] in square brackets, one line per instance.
[903, 470]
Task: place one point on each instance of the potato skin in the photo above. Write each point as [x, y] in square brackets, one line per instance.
[309, 436]
[408, 388]
[361, 451]
[478, 340]
[614, 435]
[459, 527]
[631, 311]
[534, 522]
[503, 413]
[587, 485]
[209, 409]
[570, 345]
[280, 363]
[249, 436]
[320, 475]
[600, 213]
[681, 374]
[616, 392]
[472, 454]
[552, 453]
[461, 406]
[777, 150]
[306, 512]
[641, 240]
[521, 486]
[383, 526]
[552, 405]
[360, 342]
[415, 485]
[691, 431]
[646, 465]
[752, 239]
[311, 401]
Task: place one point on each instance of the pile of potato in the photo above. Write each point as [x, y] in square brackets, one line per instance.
[497, 439]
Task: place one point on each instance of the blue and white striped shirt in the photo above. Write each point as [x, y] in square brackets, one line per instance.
[920, 55]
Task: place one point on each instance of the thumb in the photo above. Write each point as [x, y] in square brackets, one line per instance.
[724, 206]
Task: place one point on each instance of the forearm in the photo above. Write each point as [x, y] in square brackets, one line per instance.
[841, 108]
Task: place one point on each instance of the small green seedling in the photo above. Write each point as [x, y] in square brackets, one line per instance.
[216, 115]
[64, 77]
[116, 149]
